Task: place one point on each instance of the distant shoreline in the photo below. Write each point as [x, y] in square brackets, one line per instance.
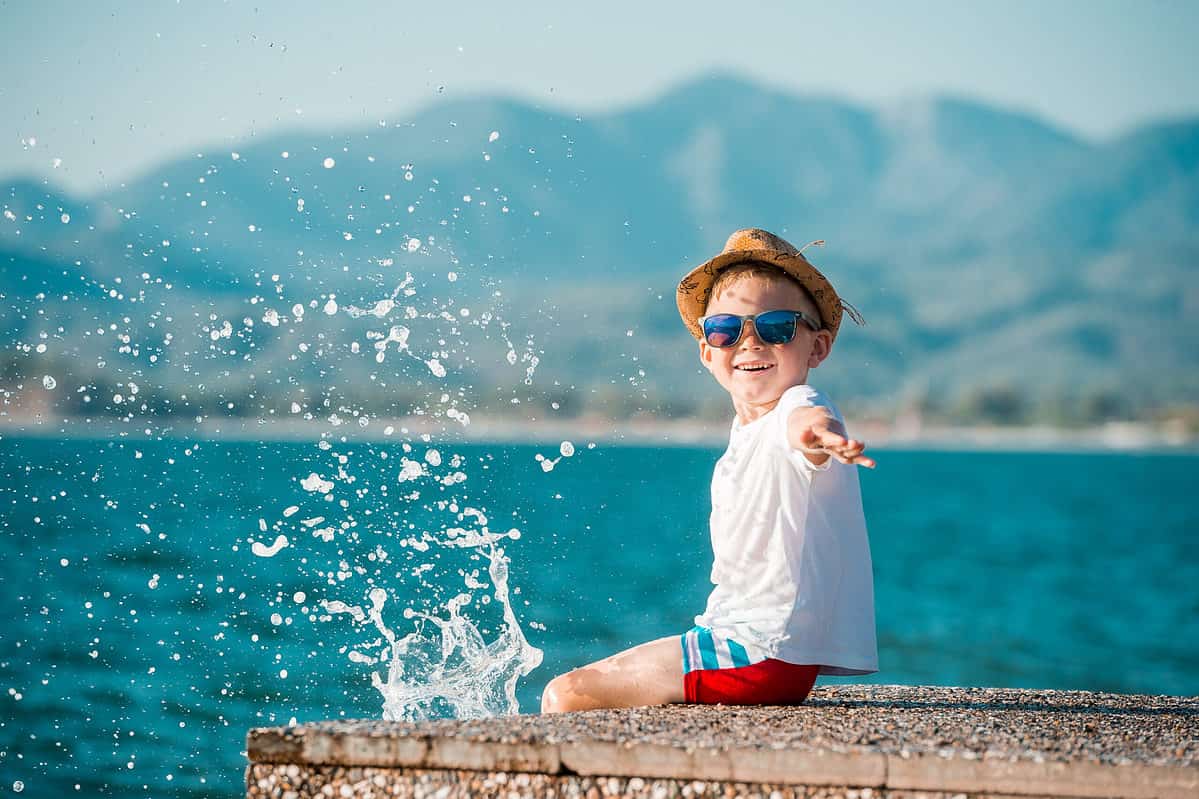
[1130, 437]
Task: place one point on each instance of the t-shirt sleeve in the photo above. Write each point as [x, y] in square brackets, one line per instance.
[796, 397]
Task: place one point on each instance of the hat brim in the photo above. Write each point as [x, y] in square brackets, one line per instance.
[695, 288]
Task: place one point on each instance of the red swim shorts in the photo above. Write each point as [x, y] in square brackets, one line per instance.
[771, 682]
[717, 671]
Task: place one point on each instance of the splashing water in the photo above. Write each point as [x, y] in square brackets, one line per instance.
[368, 338]
[452, 671]
[264, 551]
[444, 650]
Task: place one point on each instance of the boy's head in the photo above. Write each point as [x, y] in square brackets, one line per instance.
[796, 316]
[757, 245]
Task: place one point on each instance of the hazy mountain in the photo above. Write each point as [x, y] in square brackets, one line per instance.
[990, 252]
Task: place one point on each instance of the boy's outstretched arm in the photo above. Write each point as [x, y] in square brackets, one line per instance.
[817, 433]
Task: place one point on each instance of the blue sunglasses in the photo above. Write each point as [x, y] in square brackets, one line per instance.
[772, 327]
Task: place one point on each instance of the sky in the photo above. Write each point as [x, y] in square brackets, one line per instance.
[92, 94]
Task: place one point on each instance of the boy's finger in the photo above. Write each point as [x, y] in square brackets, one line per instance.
[853, 455]
[831, 439]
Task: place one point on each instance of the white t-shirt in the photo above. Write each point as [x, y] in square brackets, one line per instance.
[791, 559]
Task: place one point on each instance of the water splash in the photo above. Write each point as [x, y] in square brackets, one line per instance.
[263, 551]
[451, 670]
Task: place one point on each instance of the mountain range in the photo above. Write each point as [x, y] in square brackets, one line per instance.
[1006, 268]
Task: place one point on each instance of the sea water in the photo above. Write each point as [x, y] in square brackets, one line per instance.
[143, 637]
[374, 538]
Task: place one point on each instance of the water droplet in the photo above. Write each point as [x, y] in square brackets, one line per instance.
[263, 551]
[314, 482]
[329, 163]
[49, 382]
[495, 134]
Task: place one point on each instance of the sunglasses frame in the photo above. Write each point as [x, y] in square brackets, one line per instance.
[799, 315]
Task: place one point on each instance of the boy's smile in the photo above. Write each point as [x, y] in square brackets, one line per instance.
[755, 373]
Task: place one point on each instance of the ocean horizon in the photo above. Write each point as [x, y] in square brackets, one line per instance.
[1116, 436]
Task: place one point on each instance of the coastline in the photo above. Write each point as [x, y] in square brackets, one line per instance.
[1114, 437]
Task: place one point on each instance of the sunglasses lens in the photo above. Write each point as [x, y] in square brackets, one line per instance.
[776, 327]
[722, 330]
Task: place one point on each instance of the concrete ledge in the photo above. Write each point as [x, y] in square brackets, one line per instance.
[846, 739]
[814, 767]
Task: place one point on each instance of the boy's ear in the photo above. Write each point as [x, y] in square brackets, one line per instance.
[821, 348]
[705, 355]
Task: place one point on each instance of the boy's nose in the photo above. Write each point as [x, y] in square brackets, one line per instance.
[749, 331]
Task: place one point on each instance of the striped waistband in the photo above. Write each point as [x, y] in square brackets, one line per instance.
[704, 649]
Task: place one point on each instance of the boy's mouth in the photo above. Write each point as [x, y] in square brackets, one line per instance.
[753, 366]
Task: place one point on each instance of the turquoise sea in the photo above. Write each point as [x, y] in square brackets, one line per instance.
[142, 637]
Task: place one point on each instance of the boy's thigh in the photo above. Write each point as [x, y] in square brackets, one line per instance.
[648, 674]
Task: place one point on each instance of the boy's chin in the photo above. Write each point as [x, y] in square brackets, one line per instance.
[759, 395]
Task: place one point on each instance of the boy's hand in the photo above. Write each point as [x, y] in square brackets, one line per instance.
[819, 435]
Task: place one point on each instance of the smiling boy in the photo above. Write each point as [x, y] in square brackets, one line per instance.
[793, 592]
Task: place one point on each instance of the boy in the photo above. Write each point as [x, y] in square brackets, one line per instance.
[793, 592]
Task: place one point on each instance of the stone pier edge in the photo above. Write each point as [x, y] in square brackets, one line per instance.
[857, 767]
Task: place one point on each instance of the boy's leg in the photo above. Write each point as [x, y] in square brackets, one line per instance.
[649, 674]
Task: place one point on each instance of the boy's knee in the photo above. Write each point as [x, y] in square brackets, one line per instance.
[556, 697]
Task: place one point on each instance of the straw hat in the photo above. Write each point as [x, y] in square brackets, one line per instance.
[755, 244]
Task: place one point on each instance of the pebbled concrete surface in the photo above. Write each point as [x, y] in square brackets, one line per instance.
[973, 741]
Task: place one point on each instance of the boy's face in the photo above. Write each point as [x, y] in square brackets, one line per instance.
[758, 391]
